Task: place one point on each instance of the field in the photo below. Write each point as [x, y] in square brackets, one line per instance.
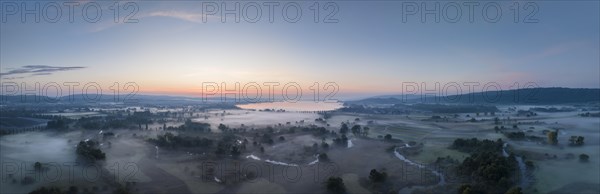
[290, 164]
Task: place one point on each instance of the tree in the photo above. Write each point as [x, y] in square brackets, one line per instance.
[377, 177]
[553, 137]
[356, 129]
[235, 151]
[89, 150]
[584, 157]
[514, 190]
[387, 137]
[222, 127]
[281, 138]
[335, 185]
[344, 128]
[323, 157]
[324, 145]
[262, 149]
[37, 166]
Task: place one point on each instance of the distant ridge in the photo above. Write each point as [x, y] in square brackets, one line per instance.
[106, 99]
[554, 95]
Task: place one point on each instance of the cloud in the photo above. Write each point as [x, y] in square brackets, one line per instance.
[182, 15]
[554, 50]
[12, 78]
[36, 70]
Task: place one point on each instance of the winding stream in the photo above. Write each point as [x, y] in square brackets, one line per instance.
[252, 156]
[522, 168]
[315, 161]
[401, 157]
[156, 151]
[412, 188]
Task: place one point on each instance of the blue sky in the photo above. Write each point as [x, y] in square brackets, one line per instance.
[369, 50]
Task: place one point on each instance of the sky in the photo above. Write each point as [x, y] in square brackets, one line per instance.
[364, 47]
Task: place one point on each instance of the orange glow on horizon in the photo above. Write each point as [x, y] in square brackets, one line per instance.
[198, 91]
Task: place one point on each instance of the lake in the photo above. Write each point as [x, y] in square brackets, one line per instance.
[293, 106]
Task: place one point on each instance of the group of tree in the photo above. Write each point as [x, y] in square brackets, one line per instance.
[518, 135]
[448, 108]
[59, 123]
[588, 114]
[341, 141]
[315, 130]
[89, 150]
[487, 170]
[335, 185]
[573, 140]
[55, 190]
[266, 138]
[47, 190]
[355, 108]
[91, 123]
[130, 121]
[229, 144]
[74, 190]
[474, 145]
[498, 129]
[168, 140]
[320, 120]
[576, 140]
[377, 177]
[356, 130]
[191, 126]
